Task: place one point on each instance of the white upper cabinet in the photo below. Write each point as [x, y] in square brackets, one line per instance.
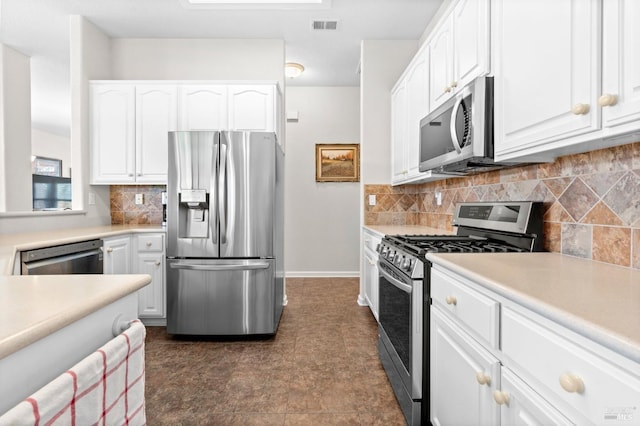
[129, 132]
[203, 107]
[155, 117]
[576, 87]
[459, 49]
[441, 64]
[546, 71]
[620, 97]
[113, 133]
[470, 41]
[130, 122]
[252, 108]
[417, 78]
[399, 170]
[409, 104]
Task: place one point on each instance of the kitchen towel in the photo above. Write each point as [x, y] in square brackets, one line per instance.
[105, 388]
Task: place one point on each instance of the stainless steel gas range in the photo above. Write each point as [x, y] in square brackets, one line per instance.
[404, 288]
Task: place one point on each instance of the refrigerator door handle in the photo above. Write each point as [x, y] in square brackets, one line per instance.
[221, 267]
[222, 194]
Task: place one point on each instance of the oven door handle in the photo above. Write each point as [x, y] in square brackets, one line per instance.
[396, 282]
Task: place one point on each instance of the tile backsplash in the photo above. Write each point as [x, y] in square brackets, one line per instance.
[125, 211]
[591, 202]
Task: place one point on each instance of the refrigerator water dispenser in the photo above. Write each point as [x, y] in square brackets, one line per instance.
[194, 214]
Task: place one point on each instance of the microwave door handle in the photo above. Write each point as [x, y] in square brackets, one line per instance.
[452, 125]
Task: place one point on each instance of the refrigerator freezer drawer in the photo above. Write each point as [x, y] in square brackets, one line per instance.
[222, 297]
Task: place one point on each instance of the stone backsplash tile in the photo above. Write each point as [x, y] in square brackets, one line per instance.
[591, 202]
[125, 211]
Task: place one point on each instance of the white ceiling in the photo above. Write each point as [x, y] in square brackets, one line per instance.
[40, 29]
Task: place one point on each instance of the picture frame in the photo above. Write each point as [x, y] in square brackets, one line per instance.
[47, 166]
[337, 162]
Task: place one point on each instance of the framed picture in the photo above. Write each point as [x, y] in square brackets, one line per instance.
[47, 166]
[337, 162]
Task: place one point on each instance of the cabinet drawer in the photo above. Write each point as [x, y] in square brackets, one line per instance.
[371, 240]
[150, 243]
[590, 384]
[476, 312]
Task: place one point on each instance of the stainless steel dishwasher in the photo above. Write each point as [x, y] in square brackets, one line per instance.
[76, 258]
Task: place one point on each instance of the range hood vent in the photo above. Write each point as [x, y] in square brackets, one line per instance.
[324, 25]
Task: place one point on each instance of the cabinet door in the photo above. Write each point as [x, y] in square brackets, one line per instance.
[417, 107]
[524, 406]
[203, 107]
[441, 64]
[621, 61]
[470, 40]
[371, 279]
[398, 133]
[464, 376]
[112, 133]
[117, 255]
[151, 297]
[156, 115]
[547, 73]
[252, 108]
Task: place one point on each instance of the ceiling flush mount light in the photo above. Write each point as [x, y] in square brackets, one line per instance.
[293, 70]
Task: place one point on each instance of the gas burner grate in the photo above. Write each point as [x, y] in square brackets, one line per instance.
[421, 244]
[468, 246]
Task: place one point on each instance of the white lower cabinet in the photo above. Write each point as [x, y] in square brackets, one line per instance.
[370, 270]
[142, 253]
[149, 259]
[117, 255]
[523, 406]
[573, 375]
[464, 376]
[541, 373]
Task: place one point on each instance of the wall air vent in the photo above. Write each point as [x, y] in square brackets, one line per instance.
[324, 25]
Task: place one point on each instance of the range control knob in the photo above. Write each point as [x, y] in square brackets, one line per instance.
[391, 255]
[399, 261]
[406, 265]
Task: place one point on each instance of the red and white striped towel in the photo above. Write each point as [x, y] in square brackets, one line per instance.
[105, 388]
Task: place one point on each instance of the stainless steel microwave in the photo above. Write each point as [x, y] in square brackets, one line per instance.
[457, 137]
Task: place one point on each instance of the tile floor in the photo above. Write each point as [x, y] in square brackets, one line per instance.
[321, 368]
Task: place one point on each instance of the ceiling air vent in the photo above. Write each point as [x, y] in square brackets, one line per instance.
[324, 25]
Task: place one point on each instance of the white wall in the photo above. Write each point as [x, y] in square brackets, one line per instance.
[95, 56]
[382, 63]
[322, 220]
[89, 48]
[198, 59]
[15, 134]
[49, 145]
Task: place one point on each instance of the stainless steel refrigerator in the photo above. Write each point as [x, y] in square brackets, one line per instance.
[225, 272]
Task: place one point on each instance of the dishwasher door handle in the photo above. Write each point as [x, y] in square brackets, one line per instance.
[219, 267]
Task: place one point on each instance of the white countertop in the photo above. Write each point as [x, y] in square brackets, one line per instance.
[33, 307]
[597, 300]
[406, 230]
[11, 244]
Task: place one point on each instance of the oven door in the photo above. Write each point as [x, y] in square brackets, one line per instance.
[400, 316]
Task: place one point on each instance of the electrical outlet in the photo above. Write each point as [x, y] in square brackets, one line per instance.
[92, 198]
[372, 199]
[139, 199]
[439, 198]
